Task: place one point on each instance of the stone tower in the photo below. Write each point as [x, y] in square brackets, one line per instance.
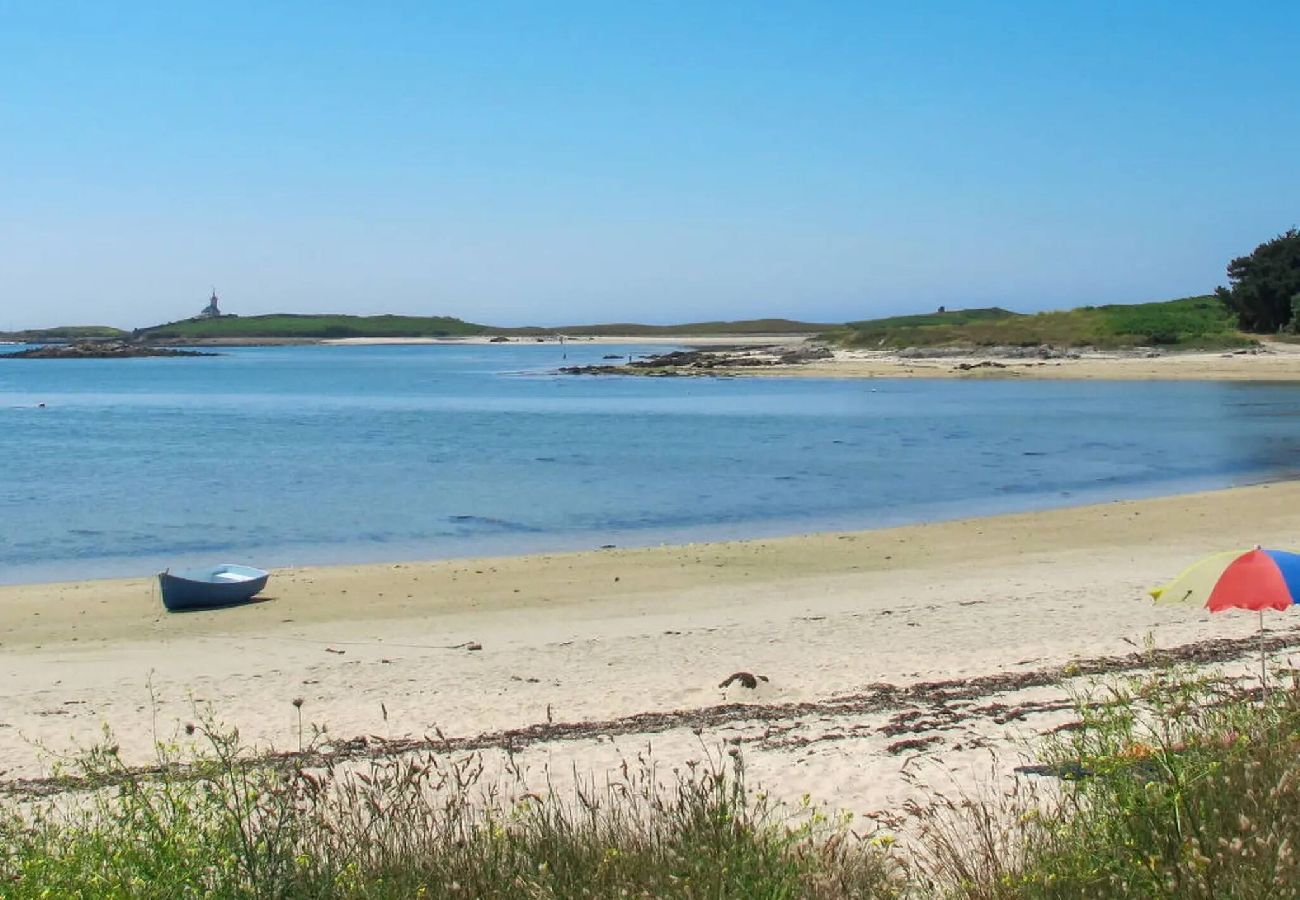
[210, 311]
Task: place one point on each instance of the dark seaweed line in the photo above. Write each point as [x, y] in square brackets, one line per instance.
[875, 699]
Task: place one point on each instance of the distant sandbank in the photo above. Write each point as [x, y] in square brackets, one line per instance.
[1275, 361]
[1271, 361]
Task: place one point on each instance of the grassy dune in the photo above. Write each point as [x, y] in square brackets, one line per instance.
[1192, 322]
[421, 826]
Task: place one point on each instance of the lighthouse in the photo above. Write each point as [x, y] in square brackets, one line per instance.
[210, 311]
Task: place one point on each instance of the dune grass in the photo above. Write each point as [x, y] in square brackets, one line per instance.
[1192, 322]
[423, 825]
[1176, 784]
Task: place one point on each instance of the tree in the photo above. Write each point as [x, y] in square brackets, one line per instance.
[1265, 285]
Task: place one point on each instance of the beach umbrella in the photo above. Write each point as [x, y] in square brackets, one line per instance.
[1255, 580]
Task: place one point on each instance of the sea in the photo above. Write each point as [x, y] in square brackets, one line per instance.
[322, 454]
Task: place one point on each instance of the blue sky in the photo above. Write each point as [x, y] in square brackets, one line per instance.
[555, 163]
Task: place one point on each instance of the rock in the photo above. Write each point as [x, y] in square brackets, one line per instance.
[804, 355]
[98, 350]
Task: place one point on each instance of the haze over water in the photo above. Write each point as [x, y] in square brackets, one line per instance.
[301, 455]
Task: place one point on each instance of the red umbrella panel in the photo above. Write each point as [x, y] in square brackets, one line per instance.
[1242, 579]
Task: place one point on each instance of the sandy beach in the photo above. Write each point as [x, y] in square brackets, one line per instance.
[896, 659]
[1275, 361]
[1271, 361]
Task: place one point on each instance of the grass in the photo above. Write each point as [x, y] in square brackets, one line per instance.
[1176, 784]
[1189, 323]
[1183, 788]
[66, 333]
[314, 326]
[337, 326]
[424, 825]
[632, 329]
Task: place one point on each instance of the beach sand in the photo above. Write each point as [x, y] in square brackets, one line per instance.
[1274, 361]
[626, 648]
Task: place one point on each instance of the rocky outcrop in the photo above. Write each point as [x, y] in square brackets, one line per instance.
[98, 350]
[713, 361]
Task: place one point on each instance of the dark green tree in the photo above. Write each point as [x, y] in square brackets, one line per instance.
[1265, 285]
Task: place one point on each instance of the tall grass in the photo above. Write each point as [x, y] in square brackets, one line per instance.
[1172, 785]
[1191, 322]
[424, 825]
[1176, 785]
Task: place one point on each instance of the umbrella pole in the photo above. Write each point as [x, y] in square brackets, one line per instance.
[1263, 671]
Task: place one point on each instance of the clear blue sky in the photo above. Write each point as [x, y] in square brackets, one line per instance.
[566, 162]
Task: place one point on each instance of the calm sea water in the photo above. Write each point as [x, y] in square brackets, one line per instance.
[321, 454]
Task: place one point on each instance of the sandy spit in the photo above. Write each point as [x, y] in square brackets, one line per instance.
[626, 648]
[1275, 361]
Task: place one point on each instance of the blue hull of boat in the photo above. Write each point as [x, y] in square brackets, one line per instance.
[208, 588]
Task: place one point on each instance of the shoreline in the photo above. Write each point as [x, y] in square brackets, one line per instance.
[1272, 360]
[1277, 361]
[785, 546]
[644, 638]
[564, 544]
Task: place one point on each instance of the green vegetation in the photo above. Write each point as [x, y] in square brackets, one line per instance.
[332, 326]
[422, 825]
[312, 326]
[65, 333]
[943, 317]
[631, 329]
[1192, 322]
[1184, 788]
[1265, 292]
[1172, 785]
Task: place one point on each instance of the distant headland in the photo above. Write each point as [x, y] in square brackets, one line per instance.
[1202, 322]
[1262, 302]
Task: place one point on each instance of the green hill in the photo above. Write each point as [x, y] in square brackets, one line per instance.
[337, 326]
[1192, 322]
[313, 326]
[1188, 323]
[632, 329]
[66, 333]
